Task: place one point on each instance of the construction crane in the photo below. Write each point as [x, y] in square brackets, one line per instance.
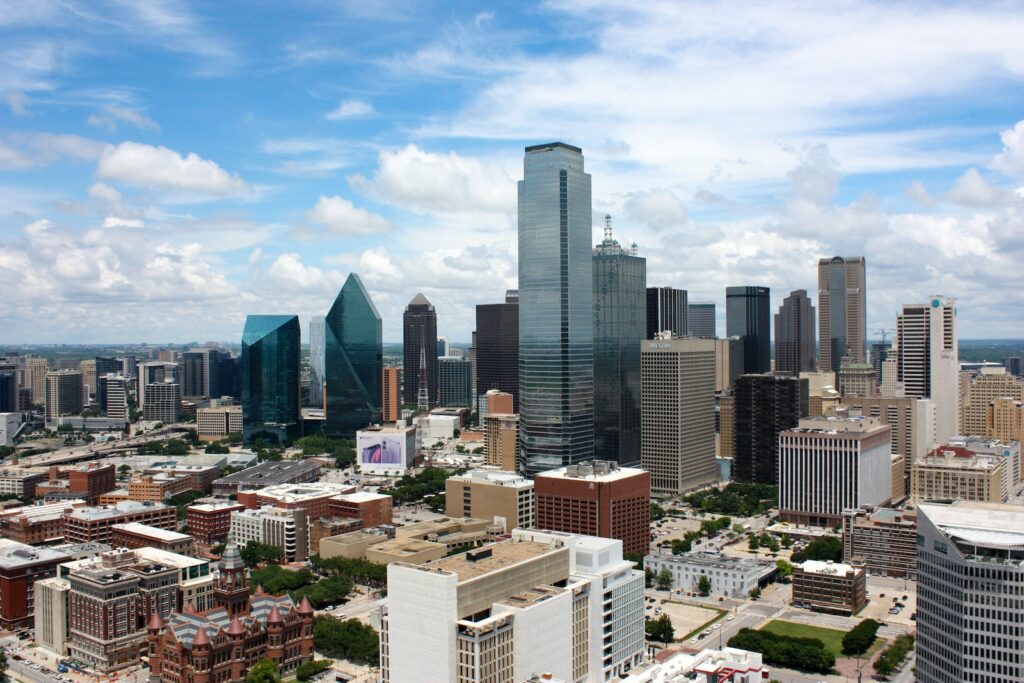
[883, 330]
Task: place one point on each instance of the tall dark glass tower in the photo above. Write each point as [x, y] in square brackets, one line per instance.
[419, 344]
[556, 309]
[764, 406]
[497, 347]
[748, 316]
[353, 361]
[842, 310]
[794, 334]
[620, 279]
[270, 376]
[700, 319]
[666, 311]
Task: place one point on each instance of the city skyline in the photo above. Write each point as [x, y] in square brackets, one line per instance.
[198, 199]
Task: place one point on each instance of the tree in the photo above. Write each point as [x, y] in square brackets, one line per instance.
[657, 512]
[263, 671]
[704, 585]
[311, 668]
[3, 666]
[124, 470]
[805, 654]
[637, 558]
[661, 629]
[217, 448]
[350, 639]
[278, 581]
[255, 553]
[858, 639]
[648, 577]
[753, 543]
[821, 549]
[784, 569]
[664, 579]
[755, 593]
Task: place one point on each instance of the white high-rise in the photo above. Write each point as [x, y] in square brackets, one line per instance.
[539, 603]
[927, 353]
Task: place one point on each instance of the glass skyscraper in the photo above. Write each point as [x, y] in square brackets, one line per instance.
[794, 334]
[316, 361]
[620, 321]
[419, 347]
[556, 309]
[666, 311]
[748, 317]
[841, 311]
[353, 361]
[270, 376]
[455, 382]
[497, 347]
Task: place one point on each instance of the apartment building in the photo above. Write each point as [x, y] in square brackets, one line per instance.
[505, 498]
[501, 439]
[827, 465]
[883, 540]
[162, 402]
[978, 391]
[134, 535]
[95, 524]
[1005, 420]
[21, 566]
[830, 587]
[286, 528]
[210, 521]
[537, 603]
[597, 498]
[36, 524]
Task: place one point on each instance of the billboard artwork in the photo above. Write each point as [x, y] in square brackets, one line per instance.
[378, 449]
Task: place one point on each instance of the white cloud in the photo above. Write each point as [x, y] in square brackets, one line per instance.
[917, 191]
[28, 150]
[444, 183]
[117, 222]
[17, 102]
[289, 273]
[658, 209]
[104, 193]
[972, 189]
[349, 109]
[112, 114]
[342, 217]
[1011, 160]
[140, 165]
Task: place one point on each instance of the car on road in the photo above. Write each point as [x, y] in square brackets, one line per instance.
[730, 617]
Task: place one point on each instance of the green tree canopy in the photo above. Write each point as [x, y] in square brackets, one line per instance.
[858, 639]
[263, 671]
[821, 549]
[255, 553]
[661, 629]
[350, 639]
[664, 579]
[311, 668]
[704, 585]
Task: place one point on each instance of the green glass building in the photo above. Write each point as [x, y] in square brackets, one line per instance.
[353, 361]
[270, 376]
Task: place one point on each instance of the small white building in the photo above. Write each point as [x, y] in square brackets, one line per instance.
[707, 666]
[732, 576]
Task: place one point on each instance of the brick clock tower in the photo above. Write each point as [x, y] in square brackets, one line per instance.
[232, 589]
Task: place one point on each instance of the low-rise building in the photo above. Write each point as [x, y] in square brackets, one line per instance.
[729, 575]
[883, 540]
[202, 475]
[286, 528]
[954, 472]
[89, 480]
[95, 524]
[214, 424]
[829, 587]
[159, 487]
[134, 535]
[265, 474]
[412, 543]
[20, 482]
[728, 665]
[36, 524]
[21, 565]
[209, 521]
[371, 509]
[506, 498]
[313, 497]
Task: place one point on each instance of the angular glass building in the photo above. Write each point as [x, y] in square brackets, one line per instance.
[353, 361]
[748, 317]
[270, 376]
[556, 310]
[620, 321]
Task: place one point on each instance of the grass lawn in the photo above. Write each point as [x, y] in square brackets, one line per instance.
[833, 639]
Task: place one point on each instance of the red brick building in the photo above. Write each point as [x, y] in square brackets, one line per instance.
[597, 499]
[94, 524]
[313, 497]
[20, 567]
[373, 509]
[221, 645]
[89, 480]
[35, 524]
[210, 522]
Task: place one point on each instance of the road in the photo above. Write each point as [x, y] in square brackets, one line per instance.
[97, 450]
[19, 671]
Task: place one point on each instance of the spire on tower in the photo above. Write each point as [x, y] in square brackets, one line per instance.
[607, 227]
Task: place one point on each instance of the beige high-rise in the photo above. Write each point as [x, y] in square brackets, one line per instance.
[978, 392]
[1005, 420]
[841, 311]
[35, 378]
[504, 498]
[501, 437]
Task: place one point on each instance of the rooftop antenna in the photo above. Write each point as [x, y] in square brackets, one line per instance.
[607, 227]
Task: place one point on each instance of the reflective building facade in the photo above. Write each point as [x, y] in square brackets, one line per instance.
[497, 347]
[270, 375]
[841, 311]
[556, 309]
[455, 381]
[316, 361]
[700, 319]
[667, 310]
[620, 279]
[794, 334]
[419, 347]
[748, 316]
[353, 361]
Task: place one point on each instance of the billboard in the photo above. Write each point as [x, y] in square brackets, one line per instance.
[382, 451]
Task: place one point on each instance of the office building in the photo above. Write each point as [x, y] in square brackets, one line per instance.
[210, 522]
[163, 401]
[505, 498]
[1005, 420]
[19, 482]
[953, 472]
[748, 316]
[979, 391]
[497, 348]
[268, 473]
[728, 363]
[729, 575]
[725, 442]
[102, 366]
[455, 382]
[556, 309]
[286, 529]
[842, 311]
[700, 319]
[911, 421]
[419, 353]
[35, 378]
[828, 465]
[856, 379]
[927, 353]
[21, 566]
[1014, 366]
[150, 372]
[667, 311]
[214, 424]
[501, 441]
[317, 341]
[271, 347]
[879, 354]
[620, 277]
[795, 340]
[352, 361]
[51, 615]
[390, 388]
[63, 395]
[87, 481]
[10, 424]
[200, 373]
[314, 497]
[534, 603]
[678, 414]
[37, 524]
[882, 539]
[765, 406]
[970, 575]
[88, 369]
[134, 535]
[830, 587]
[369, 509]
[597, 499]
[494, 401]
[8, 391]
[96, 524]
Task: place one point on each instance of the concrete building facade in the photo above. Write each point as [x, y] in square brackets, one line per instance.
[503, 497]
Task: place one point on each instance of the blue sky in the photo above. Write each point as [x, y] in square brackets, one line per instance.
[168, 167]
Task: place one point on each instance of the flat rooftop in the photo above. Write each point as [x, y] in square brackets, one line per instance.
[714, 561]
[170, 559]
[215, 506]
[494, 478]
[503, 554]
[38, 513]
[124, 507]
[14, 555]
[818, 567]
[992, 525]
[270, 473]
[595, 472]
[361, 497]
[296, 493]
[404, 546]
[151, 531]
